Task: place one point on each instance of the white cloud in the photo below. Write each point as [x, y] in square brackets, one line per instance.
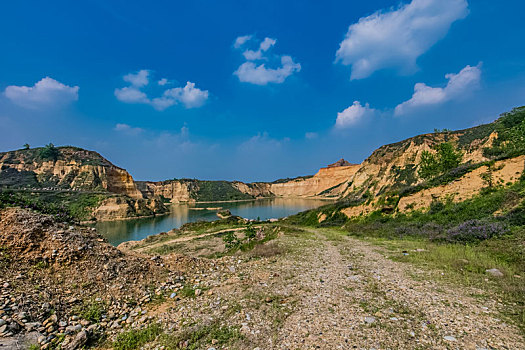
[311, 135]
[260, 74]
[131, 95]
[139, 79]
[241, 40]
[396, 38]
[189, 96]
[458, 84]
[46, 93]
[125, 128]
[353, 114]
[265, 45]
[249, 72]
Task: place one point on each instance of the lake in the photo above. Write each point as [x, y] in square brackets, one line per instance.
[136, 229]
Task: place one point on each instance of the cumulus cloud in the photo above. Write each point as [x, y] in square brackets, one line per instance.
[397, 37]
[249, 72]
[265, 45]
[353, 114]
[46, 93]
[127, 129]
[139, 79]
[189, 95]
[458, 84]
[259, 73]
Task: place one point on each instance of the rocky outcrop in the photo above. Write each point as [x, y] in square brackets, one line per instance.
[176, 191]
[120, 207]
[394, 166]
[74, 169]
[77, 170]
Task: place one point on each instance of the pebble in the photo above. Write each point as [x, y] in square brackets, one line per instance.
[449, 338]
[370, 319]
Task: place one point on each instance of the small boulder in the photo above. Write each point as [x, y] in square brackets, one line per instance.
[494, 272]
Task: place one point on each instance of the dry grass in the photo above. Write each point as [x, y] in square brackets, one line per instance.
[266, 250]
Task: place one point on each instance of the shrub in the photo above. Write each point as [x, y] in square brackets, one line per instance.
[49, 152]
[250, 232]
[475, 230]
[230, 240]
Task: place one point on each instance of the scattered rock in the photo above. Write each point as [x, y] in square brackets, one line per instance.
[494, 272]
[370, 319]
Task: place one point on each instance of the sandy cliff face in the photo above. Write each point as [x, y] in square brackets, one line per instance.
[177, 191]
[395, 165]
[326, 183]
[74, 169]
[120, 207]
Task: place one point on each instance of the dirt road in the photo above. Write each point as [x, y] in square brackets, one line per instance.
[330, 291]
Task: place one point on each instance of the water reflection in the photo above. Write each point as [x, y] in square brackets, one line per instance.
[125, 230]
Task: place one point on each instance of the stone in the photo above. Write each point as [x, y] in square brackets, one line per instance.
[198, 292]
[494, 272]
[73, 329]
[79, 340]
[449, 338]
[370, 319]
[173, 295]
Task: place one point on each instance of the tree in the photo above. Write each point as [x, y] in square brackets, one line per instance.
[445, 159]
[448, 157]
[49, 152]
[428, 166]
[26, 146]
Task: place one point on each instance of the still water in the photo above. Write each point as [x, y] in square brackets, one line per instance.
[131, 230]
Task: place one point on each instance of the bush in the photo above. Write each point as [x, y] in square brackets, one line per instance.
[250, 232]
[511, 135]
[230, 240]
[474, 231]
[49, 152]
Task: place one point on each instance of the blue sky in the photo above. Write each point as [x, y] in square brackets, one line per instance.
[252, 90]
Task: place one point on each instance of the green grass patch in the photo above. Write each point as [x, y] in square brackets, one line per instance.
[136, 338]
[198, 336]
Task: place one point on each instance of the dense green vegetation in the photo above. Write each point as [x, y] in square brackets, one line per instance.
[511, 135]
[445, 159]
[49, 152]
[65, 206]
[211, 191]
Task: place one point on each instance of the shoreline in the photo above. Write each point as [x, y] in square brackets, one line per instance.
[91, 223]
